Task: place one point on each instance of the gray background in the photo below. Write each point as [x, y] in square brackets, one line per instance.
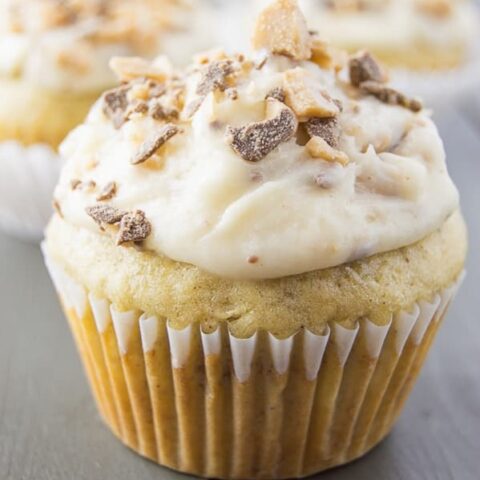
[49, 429]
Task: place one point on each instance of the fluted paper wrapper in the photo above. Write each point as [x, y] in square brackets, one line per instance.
[218, 406]
[27, 179]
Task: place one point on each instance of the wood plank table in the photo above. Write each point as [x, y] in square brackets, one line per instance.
[49, 429]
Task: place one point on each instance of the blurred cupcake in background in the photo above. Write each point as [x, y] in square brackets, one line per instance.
[416, 34]
[53, 65]
[431, 46]
[254, 254]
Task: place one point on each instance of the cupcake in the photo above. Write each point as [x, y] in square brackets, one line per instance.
[416, 34]
[53, 66]
[254, 254]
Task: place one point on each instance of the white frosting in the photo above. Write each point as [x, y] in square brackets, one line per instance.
[70, 57]
[211, 208]
[397, 25]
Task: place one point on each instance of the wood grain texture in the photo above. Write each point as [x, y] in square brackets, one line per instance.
[49, 429]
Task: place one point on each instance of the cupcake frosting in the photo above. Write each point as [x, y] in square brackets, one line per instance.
[297, 159]
[67, 45]
[392, 24]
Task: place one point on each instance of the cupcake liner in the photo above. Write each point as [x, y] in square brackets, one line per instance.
[27, 179]
[440, 88]
[214, 405]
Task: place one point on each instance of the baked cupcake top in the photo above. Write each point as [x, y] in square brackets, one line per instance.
[392, 24]
[295, 160]
[66, 45]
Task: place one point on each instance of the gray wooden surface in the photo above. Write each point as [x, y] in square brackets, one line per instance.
[49, 429]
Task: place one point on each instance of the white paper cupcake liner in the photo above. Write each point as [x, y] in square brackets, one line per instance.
[27, 179]
[218, 406]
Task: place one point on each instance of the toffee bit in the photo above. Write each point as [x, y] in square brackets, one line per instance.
[152, 144]
[108, 192]
[232, 93]
[391, 96]
[105, 214]
[255, 141]
[56, 206]
[192, 108]
[261, 62]
[116, 104]
[139, 107]
[75, 183]
[156, 89]
[277, 93]
[160, 112]
[364, 68]
[304, 96]
[215, 77]
[252, 259]
[318, 148]
[326, 128]
[282, 29]
[134, 227]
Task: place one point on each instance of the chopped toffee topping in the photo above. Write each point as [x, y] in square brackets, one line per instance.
[115, 104]
[282, 29]
[364, 68]
[253, 259]
[276, 93]
[232, 93]
[319, 148]
[131, 68]
[56, 206]
[105, 214]
[158, 111]
[134, 227]
[391, 96]
[304, 96]
[192, 108]
[215, 77]
[107, 192]
[75, 183]
[139, 107]
[154, 142]
[255, 141]
[326, 128]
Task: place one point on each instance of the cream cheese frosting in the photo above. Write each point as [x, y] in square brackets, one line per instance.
[393, 24]
[67, 45]
[258, 168]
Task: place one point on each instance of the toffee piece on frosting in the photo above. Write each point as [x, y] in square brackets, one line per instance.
[134, 227]
[282, 29]
[105, 214]
[255, 141]
[363, 68]
[154, 142]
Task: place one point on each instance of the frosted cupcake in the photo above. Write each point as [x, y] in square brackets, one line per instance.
[254, 255]
[416, 34]
[53, 66]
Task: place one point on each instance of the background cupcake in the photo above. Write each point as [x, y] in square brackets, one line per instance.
[416, 34]
[53, 65]
[255, 255]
